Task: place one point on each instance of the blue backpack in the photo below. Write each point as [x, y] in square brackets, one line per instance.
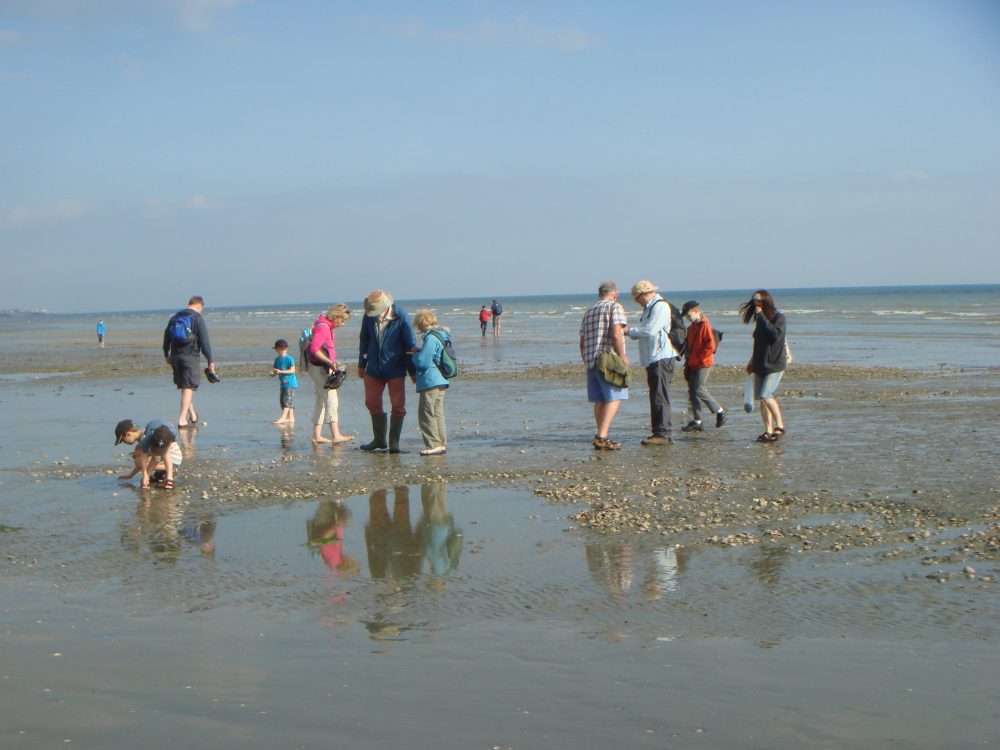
[305, 339]
[181, 330]
[448, 364]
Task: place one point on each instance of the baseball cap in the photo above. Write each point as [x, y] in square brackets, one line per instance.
[688, 306]
[121, 428]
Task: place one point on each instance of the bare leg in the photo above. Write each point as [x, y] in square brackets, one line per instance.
[766, 416]
[339, 437]
[318, 434]
[187, 406]
[772, 404]
[604, 414]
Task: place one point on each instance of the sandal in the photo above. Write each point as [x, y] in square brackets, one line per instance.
[779, 432]
[168, 484]
[766, 437]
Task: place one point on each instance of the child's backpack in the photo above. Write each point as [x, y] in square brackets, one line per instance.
[180, 327]
[448, 364]
[305, 339]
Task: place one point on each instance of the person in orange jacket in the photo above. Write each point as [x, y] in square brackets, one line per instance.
[700, 349]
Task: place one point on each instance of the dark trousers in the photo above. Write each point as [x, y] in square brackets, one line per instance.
[658, 376]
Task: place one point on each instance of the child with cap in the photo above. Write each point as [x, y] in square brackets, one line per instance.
[284, 367]
[155, 444]
[701, 346]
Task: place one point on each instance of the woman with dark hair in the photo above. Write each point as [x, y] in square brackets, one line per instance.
[769, 359]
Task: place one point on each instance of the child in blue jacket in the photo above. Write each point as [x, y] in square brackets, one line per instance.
[431, 384]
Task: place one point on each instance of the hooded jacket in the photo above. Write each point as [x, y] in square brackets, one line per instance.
[769, 345]
[426, 361]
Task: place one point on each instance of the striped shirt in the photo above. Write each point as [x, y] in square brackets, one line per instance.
[596, 325]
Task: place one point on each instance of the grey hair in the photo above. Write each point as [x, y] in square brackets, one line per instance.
[606, 288]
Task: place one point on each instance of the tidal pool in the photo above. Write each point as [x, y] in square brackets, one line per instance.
[456, 617]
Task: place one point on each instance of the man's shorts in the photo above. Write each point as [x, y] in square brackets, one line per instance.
[287, 397]
[186, 372]
[600, 392]
[764, 386]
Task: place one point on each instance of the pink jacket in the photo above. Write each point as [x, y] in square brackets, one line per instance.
[322, 337]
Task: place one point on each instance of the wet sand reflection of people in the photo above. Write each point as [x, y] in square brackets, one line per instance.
[325, 534]
[394, 551]
[157, 524]
[441, 541]
[617, 564]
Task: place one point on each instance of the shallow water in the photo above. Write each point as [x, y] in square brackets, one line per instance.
[465, 617]
[478, 615]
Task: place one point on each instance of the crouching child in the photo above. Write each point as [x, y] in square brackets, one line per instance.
[156, 455]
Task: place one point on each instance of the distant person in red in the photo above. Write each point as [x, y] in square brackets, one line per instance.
[484, 319]
[701, 345]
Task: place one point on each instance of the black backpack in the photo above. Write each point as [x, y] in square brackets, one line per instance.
[678, 333]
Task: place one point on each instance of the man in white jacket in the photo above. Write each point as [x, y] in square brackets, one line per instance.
[657, 355]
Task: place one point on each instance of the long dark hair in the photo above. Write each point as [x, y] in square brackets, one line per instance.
[748, 310]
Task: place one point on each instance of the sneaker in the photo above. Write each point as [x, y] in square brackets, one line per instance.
[720, 418]
[692, 426]
[436, 451]
[605, 444]
[657, 440]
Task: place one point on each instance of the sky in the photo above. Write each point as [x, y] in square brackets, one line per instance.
[284, 151]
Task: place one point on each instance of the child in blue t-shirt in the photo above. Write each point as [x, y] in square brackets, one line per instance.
[284, 368]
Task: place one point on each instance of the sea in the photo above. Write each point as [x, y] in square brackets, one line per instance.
[893, 326]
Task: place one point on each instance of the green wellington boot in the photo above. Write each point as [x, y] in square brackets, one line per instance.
[378, 430]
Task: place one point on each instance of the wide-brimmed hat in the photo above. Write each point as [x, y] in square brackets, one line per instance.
[641, 287]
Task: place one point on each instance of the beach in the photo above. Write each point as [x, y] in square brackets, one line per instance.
[838, 588]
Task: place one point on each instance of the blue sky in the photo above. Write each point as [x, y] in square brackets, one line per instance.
[270, 152]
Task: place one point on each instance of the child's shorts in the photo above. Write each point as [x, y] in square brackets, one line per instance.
[174, 454]
[287, 397]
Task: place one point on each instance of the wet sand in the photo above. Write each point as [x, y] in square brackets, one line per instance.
[836, 589]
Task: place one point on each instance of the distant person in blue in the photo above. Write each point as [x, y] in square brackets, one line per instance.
[155, 445]
[100, 333]
[185, 339]
[284, 368]
[496, 310]
[431, 383]
[384, 361]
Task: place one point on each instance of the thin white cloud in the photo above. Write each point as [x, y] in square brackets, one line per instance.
[128, 66]
[190, 15]
[9, 38]
[910, 175]
[26, 214]
[492, 33]
[155, 208]
[199, 15]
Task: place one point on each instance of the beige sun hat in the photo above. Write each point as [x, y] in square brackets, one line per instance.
[641, 287]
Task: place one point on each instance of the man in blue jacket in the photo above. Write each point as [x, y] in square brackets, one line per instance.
[386, 342]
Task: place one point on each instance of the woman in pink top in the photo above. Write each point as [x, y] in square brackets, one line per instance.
[322, 361]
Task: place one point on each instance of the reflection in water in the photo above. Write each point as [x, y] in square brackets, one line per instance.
[325, 534]
[393, 548]
[185, 439]
[767, 562]
[441, 541]
[617, 565]
[287, 437]
[160, 525]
